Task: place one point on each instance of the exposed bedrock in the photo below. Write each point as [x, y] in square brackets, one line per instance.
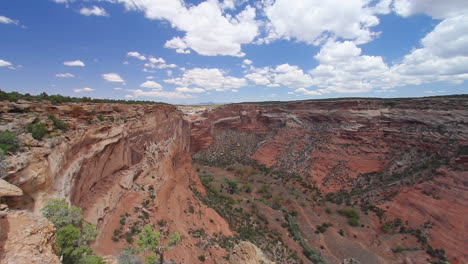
[410, 152]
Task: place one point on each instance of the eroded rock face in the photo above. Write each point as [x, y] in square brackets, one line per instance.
[26, 238]
[105, 163]
[247, 253]
[408, 152]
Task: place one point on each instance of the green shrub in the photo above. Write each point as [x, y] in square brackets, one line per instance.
[352, 215]
[127, 256]
[152, 258]
[61, 214]
[37, 129]
[9, 143]
[100, 118]
[92, 259]
[58, 123]
[73, 234]
[148, 239]
[232, 186]
[174, 239]
[202, 258]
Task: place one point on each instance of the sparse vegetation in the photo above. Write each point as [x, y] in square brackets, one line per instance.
[58, 99]
[352, 215]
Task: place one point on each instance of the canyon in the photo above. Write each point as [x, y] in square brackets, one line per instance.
[250, 182]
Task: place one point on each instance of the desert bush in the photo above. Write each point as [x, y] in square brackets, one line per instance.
[127, 256]
[37, 129]
[352, 215]
[9, 143]
[58, 123]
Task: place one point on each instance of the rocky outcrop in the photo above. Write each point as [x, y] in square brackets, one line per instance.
[26, 238]
[247, 253]
[7, 189]
[105, 163]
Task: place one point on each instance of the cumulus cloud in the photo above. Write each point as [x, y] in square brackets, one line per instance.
[247, 62]
[152, 85]
[189, 90]
[74, 63]
[4, 63]
[136, 54]
[209, 79]
[65, 75]
[112, 77]
[160, 94]
[93, 11]
[156, 60]
[208, 31]
[314, 21]
[292, 76]
[435, 8]
[442, 57]
[7, 20]
[86, 89]
[343, 69]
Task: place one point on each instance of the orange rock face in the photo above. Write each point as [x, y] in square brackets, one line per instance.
[382, 149]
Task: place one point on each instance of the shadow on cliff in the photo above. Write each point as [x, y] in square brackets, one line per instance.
[4, 230]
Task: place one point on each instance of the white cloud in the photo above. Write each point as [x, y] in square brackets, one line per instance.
[234, 90]
[189, 90]
[112, 77]
[449, 38]
[74, 63]
[7, 20]
[306, 92]
[136, 55]
[159, 93]
[343, 69]
[207, 29]
[247, 62]
[435, 8]
[258, 78]
[209, 79]
[65, 75]
[93, 11]
[292, 76]
[118, 88]
[87, 89]
[314, 21]
[152, 85]
[4, 63]
[442, 57]
[149, 77]
[156, 60]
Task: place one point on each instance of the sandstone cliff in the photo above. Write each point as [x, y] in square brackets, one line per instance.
[105, 163]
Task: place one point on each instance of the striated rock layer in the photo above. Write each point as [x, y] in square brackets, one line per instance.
[105, 163]
[410, 153]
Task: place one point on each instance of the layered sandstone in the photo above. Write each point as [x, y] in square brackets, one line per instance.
[105, 162]
[405, 151]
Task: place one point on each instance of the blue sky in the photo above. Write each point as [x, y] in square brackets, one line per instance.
[234, 50]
